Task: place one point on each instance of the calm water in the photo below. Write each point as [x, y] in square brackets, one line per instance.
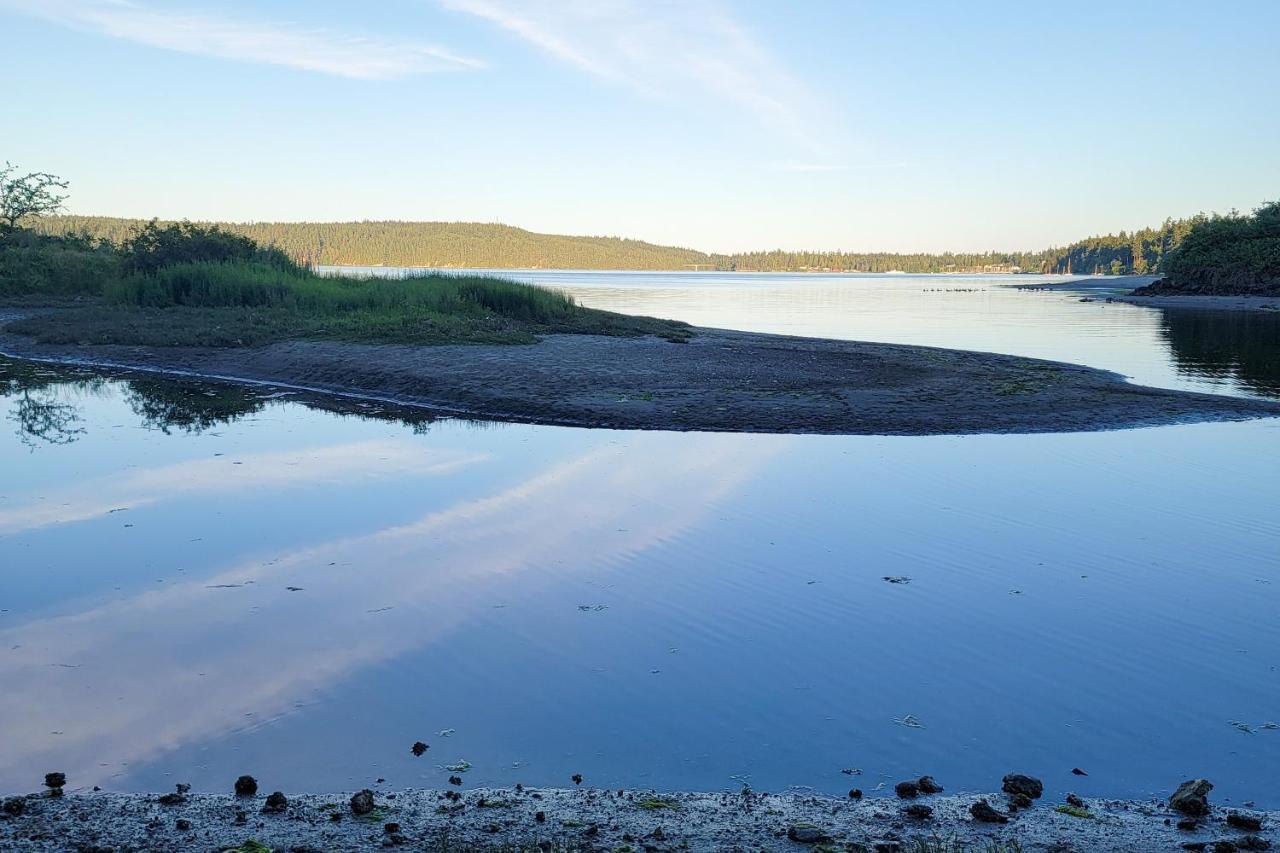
[198, 582]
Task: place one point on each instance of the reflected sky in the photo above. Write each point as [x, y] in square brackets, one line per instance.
[204, 582]
[241, 642]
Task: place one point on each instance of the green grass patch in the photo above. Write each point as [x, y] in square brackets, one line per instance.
[249, 304]
[1074, 811]
[653, 804]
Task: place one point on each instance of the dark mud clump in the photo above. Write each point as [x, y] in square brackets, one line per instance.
[246, 786]
[55, 783]
[1247, 822]
[362, 803]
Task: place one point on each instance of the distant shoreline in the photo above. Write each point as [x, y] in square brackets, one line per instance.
[718, 381]
[595, 819]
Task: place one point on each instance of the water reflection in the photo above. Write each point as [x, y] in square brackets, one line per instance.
[47, 402]
[166, 406]
[238, 648]
[96, 497]
[1231, 345]
[300, 588]
[40, 407]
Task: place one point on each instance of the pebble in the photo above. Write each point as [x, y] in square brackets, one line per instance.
[907, 790]
[1247, 822]
[928, 786]
[982, 811]
[1191, 798]
[1017, 783]
[806, 834]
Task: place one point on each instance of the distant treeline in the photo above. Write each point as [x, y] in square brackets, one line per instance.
[486, 246]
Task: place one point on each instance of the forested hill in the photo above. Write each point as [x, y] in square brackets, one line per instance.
[425, 244]
[486, 246]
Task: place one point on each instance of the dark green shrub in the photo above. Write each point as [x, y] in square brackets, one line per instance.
[37, 265]
[153, 246]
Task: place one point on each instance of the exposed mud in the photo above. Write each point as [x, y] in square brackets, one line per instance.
[720, 381]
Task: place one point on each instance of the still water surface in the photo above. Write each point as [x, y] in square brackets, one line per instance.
[198, 582]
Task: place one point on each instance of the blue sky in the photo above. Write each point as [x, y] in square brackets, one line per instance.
[718, 124]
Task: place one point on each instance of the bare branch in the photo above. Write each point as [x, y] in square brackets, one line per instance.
[31, 195]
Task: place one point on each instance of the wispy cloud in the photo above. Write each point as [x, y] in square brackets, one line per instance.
[247, 40]
[663, 49]
[870, 166]
[798, 166]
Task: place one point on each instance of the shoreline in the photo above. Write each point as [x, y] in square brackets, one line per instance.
[1119, 289]
[593, 819]
[1206, 303]
[719, 381]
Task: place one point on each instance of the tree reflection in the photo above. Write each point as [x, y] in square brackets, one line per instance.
[166, 405]
[39, 409]
[46, 402]
[1240, 345]
[42, 419]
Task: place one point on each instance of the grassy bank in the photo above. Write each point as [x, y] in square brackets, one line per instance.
[190, 286]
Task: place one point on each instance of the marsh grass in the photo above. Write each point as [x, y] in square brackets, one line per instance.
[254, 285]
[246, 304]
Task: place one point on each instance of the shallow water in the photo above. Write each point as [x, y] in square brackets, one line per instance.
[651, 609]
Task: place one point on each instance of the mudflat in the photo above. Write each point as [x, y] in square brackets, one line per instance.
[718, 381]
[1210, 303]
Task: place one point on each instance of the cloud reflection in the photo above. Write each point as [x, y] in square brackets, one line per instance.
[335, 464]
[129, 680]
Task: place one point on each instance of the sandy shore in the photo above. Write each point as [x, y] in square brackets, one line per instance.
[586, 819]
[719, 381]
